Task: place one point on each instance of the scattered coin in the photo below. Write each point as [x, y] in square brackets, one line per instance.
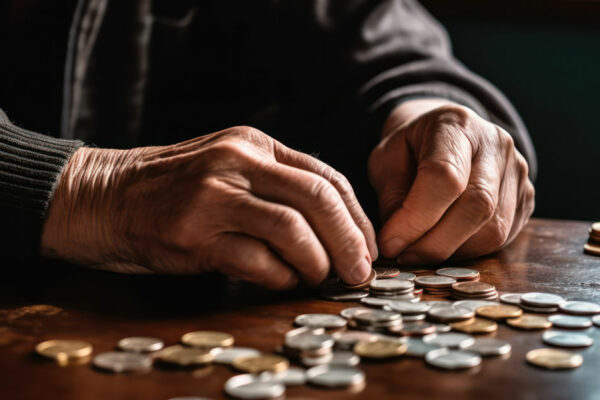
[458, 273]
[344, 358]
[138, 344]
[327, 321]
[475, 325]
[442, 328]
[432, 281]
[474, 304]
[406, 276]
[121, 362]
[228, 355]
[293, 376]
[207, 339]
[570, 321]
[407, 307]
[567, 339]
[592, 249]
[365, 284]
[511, 298]
[344, 295]
[537, 299]
[414, 329]
[380, 348]
[414, 317]
[261, 363]
[579, 307]
[303, 330]
[347, 339]
[596, 320]
[500, 311]
[451, 340]
[490, 347]
[64, 350]
[335, 376]
[374, 301]
[312, 361]
[395, 286]
[309, 343]
[386, 272]
[545, 310]
[450, 313]
[554, 359]
[408, 297]
[473, 288]
[250, 386]
[452, 359]
[529, 322]
[371, 316]
[415, 347]
[186, 356]
[349, 313]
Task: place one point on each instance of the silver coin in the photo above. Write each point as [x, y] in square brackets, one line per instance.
[335, 376]
[415, 347]
[475, 304]
[451, 340]
[537, 299]
[123, 362]
[567, 339]
[250, 386]
[451, 313]
[374, 301]
[511, 298]
[570, 321]
[442, 328]
[407, 307]
[344, 295]
[320, 320]
[414, 317]
[596, 320]
[580, 307]
[435, 280]
[309, 342]
[538, 309]
[226, 356]
[305, 329]
[489, 347]
[458, 273]
[347, 339]
[452, 359]
[391, 285]
[407, 297]
[293, 376]
[440, 303]
[317, 360]
[371, 316]
[138, 344]
[349, 313]
[344, 358]
[406, 276]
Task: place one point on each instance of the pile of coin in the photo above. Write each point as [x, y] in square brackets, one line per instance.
[593, 244]
[435, 284]
[474, 291]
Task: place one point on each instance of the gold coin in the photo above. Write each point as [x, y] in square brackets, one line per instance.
[500, 311]
[596, 228]
[554, 359]
[529, 322]
[379, 349]
[185, 356]
[592, 249]
[475, 325]
[261, 363]
[207, 339]
[64, 350]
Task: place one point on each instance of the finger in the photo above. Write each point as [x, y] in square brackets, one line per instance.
[526, 198]
[299, 160]
[251, 260]
[286, 231]
[322, 206]
[467, 215]
[442, 176]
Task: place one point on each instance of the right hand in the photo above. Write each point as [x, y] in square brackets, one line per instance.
[236, 201]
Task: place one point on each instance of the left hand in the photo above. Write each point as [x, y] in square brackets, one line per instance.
[449, 183]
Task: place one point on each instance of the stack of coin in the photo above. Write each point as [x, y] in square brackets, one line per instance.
[435, 284]
[460, 274]
[593, 244]
[537, 302]
[474, 291]
[306, 343]
[385, 288]
[372, 320]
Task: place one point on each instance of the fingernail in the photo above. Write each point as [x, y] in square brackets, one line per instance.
[361, 271]
[409, 258]
[393, 246]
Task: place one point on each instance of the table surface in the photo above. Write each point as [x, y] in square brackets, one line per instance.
[102, 308]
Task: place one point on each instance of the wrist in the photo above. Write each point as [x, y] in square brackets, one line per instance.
[409, 110]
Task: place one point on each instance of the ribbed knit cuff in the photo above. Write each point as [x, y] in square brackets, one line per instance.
[30, 165]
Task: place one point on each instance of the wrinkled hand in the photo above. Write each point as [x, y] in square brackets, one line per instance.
[449, 183]
[236, 201]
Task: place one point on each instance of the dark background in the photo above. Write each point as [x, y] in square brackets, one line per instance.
[545, 56]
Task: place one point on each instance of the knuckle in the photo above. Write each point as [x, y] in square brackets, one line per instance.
[324, 193]
[449, 175]
[342, 183]
[289, 220]
[505, 138]
[499, 229]
[481, 204]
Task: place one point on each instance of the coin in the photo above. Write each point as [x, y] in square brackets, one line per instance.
[208, 339]
[391, 285]
[595, 228]
[473, 288]
[349, 313]
[458, 273]
[500, 311]
[344, 295]
[186, 356]
[414, 317]
[371, 316]
[309, 342]
[406, 276]
[335, 376]
[249, 386]
[490, 347]
[364, 284]
[538, 309]
[347, 339]
[450, 313]
[452, 359]
[374, 301]
[567, 339]
[475, 325]
[261, 363]
[432, 281]
[596, 320]
[380, 348]
[592, 249]
[451, 340]
[64, 350]
[511, 298]
[293, 376]
[316, 360]
[320, 320]
[303, 330]
[416, 348]
[570, 321]
[407, 297]
[442, 328]
[414, 329]
[344, 358]
[228, 355]
[579, 307]
[474, 304]
[138, 344]
[537, 299]
[386, 272]
[123, 362]
[407, 307]
[529, 322]
[554, 359]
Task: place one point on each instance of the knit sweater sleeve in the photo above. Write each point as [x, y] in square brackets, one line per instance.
[30, 166]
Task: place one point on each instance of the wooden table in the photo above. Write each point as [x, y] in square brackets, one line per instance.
[102, 308]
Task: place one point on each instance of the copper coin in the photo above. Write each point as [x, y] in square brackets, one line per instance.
[386, 272]
[364, 284]
[592, 249]
[595, 228]
[471, 288]
[554, 359]
[529, 322]
[475, 325]
[500, 311]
